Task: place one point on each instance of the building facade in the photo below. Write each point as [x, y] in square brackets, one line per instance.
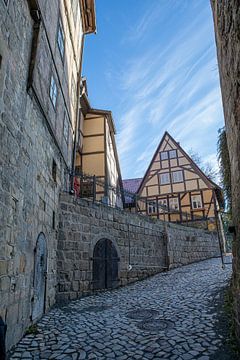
[41, 45]
[174, 189]
[96, 155]
[226, 16]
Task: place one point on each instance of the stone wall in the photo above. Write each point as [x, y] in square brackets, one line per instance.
[188, 244]
[29, 193]
[148, 245]
[226, 15]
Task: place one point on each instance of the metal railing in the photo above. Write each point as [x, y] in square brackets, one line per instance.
[97, 190]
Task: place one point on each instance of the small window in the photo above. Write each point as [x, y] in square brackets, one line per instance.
[165, 178]
[172, 154]
[53, 91]
[196, 201]
[60, 39]
[54, 170]
[65, 128]
[164, 155]
[162, 205]
[177, 176]
[53, 220]
[152, 208]
[174, 204]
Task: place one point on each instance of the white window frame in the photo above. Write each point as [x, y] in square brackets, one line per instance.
[53, 91]
[152, 207]
[196, 201]
[165, 178]
[162, 205]
[61, 39]
[164, 155]
[176, 177]
[174, 203]
[171, 152]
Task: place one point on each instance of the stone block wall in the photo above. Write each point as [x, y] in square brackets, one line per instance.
[187, 244]
[226, 14]
[28, 193]
[148, 245]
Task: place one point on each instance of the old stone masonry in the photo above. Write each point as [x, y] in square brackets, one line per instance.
[172, 315]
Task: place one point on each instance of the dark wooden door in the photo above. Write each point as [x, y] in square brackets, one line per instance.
[105, 265]
[40, 267]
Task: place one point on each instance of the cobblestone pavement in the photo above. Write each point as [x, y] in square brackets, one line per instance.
[172, 315]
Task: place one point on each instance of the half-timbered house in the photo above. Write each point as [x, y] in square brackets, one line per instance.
[97, 161]
[175, 189]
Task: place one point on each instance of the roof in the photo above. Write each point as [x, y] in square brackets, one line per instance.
[131, 186]
[209, 182]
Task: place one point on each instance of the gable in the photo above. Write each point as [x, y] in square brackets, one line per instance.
[172, 171]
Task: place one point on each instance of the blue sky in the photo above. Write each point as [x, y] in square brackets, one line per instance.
[153, 64]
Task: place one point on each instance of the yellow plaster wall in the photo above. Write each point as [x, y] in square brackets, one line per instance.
[178, 187]
[153, 190]
[93, 126]
[93, 164]
[93, 144]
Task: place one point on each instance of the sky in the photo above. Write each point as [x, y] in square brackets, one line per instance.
[153, 64]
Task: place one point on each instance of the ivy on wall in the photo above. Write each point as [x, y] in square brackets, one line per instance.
[224, 164]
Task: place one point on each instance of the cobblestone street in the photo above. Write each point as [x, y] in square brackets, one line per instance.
[173, 315]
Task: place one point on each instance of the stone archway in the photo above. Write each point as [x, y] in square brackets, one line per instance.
[39, 283]
[105, 265]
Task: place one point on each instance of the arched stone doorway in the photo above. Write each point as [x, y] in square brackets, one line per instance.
[39, 282]
[105, 265]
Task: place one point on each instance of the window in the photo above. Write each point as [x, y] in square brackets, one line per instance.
[53, 91]
[65, 127]
[172, 154]
[177, 176]
[165, 178]
[54, 170]
[152, 208]
[5, 2]
[60, 39]
[196, 201]
[53, 220]
[162, 205]
[164, 155]
[174, 204]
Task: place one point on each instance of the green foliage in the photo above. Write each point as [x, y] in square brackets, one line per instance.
[224, 163]
[32, 330]
[207, 168]
[229, 311]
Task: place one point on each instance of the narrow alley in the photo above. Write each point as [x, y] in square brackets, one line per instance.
[175, 315]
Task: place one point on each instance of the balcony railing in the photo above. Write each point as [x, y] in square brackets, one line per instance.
[97, 190]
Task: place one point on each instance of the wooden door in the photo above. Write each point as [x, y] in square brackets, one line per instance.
[105, 265]
[40, 267]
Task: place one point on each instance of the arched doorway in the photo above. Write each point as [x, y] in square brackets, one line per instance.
[39, 283]
[105, 265]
